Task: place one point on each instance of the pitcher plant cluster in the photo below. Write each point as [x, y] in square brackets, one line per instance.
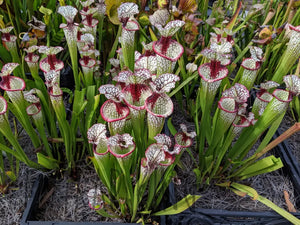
[233, 73]
[136, 162]
[227, 131]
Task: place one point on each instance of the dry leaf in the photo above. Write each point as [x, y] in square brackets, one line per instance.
[289, 204]
[46, 197]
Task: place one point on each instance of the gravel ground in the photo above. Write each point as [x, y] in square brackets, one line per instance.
[294, 140]
[14, 201]
[69, 199]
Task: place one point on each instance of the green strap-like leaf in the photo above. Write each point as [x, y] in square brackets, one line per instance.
[185, 82]
[180, 206]
[171, 127]
[262, 166]
[5, 56]
[252, 193]
[12, 176]
[47, 162]
[103, 213]
[152, 35]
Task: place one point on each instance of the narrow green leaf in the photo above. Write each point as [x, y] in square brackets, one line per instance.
[152, 35]
[180, 206]
[5, 56]
[238, 50]
[103, 213]
[265, 165]
[108, 201]
[147, 212]
[103, 169]
[244, 188]
[194, 75]
[297, 107]
[270, 134]
[37, 4]
[197, 172]
[165, 181]
[252, 193]
[56, 37]
[48, 113]
[240, 56]
[47, 162]
[91, 109]
[68, 91]
[12, 176]
[51, 5]
[171, 127]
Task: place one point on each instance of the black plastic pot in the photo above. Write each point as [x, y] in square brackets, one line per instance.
[202, 216]
[38, 189]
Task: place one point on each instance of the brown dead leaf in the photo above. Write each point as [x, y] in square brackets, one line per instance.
[289, 204]
[46, 197]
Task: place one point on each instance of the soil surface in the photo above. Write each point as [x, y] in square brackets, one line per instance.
[14, 201]
[294, 140]
[68, 201]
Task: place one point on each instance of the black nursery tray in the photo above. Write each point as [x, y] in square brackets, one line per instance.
[68, 223]
[202, 216]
